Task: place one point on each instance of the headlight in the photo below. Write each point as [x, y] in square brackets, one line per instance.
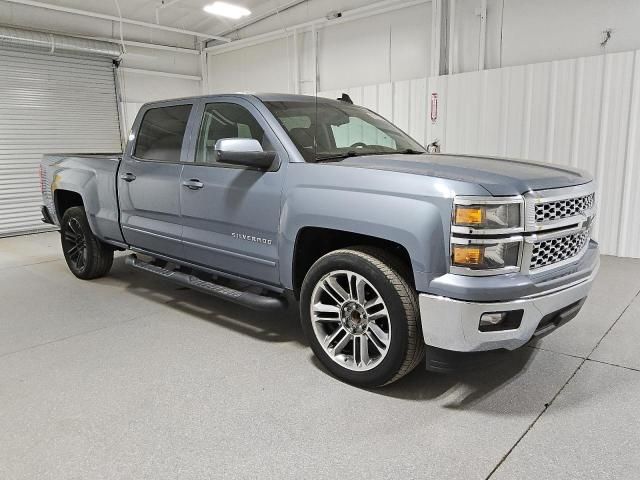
[491, 215]
[488, 255]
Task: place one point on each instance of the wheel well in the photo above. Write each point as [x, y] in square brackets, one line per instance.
[65, 199]
[313, 242]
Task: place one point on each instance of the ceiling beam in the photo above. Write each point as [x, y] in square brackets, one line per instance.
[155, 46]
[141, 71]
[113, 18]
[263, 16]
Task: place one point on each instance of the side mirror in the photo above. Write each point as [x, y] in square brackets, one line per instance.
[244, 151]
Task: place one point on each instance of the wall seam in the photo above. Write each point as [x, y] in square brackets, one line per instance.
[632, 122]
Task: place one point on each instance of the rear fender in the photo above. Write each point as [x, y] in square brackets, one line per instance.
[98, 197]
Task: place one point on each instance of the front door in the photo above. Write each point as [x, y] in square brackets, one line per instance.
[230, 214]
[149, 181]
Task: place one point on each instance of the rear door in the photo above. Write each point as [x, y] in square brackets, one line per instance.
[231, 222]
[149, 179]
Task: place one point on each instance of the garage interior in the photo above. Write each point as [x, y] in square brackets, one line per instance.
[130, 376]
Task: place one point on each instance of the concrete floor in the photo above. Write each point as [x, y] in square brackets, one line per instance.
[130, 377]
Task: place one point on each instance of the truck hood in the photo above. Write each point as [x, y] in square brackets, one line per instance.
[499, 176]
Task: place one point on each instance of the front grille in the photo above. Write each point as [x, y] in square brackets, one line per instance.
[559, 209]
[548, 252]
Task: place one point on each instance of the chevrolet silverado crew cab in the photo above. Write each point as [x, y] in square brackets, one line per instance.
[392, 253]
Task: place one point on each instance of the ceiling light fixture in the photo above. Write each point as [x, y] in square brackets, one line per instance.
[227, 10]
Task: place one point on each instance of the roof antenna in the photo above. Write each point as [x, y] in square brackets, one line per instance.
[346, 99]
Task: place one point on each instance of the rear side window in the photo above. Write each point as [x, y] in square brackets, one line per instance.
[161, 133]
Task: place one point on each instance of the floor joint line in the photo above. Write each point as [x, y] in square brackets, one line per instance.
[547, 405]
[613, 364]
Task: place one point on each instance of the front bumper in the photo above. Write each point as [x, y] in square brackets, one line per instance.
[451, 324]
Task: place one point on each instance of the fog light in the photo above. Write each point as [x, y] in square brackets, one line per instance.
[494, 318]
[498, 321]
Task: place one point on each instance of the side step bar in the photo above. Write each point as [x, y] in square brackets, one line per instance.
[248, 299]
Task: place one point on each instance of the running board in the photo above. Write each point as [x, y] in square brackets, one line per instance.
[248, 299]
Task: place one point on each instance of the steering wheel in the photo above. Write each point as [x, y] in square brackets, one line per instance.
[358, 144]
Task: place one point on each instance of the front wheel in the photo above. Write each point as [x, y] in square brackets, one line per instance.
[87, 257]
[361, 317]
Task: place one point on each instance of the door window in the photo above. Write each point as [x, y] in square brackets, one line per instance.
[161, 133]
[226, 120]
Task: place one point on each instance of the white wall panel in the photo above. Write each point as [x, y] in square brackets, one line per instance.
[541, 30]
[265, 67]
[523, 32]
[381, 48]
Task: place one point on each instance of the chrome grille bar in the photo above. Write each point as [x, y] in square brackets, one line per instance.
[555, 208]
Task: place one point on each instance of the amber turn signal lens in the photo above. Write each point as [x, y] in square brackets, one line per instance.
[467, 255]
[469, 215]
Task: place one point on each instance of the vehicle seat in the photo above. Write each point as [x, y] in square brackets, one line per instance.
[303, 137]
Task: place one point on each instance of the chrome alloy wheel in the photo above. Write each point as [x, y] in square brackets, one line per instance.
[75, 244]
[350, 320]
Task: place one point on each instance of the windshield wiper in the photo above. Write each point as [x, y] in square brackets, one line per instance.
[336, 156]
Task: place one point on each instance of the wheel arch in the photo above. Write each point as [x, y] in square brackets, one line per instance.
[64, 199]
[73, 186]
[311, 243]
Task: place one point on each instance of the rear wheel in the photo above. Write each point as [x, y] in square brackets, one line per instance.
[361, 317]
[86, 256]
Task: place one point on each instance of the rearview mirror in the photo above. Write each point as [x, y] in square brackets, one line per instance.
[243, 151]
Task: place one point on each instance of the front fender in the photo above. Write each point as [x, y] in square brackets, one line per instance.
[417, 224]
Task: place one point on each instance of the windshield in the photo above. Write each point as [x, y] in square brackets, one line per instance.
[339, 130]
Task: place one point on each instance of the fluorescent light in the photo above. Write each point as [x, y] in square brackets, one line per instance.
[227, 10]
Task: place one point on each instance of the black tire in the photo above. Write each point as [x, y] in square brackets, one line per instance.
[86, 256]
[406, 346]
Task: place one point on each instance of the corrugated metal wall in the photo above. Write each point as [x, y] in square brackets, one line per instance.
[582, 112]
[48, 104]
[403, 102]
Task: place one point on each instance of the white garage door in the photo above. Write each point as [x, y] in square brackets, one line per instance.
[49, 104]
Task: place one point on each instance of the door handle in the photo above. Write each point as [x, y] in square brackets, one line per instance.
[193, 184]
[128, 177]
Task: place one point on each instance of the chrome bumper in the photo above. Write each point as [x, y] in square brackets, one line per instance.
[454, 324]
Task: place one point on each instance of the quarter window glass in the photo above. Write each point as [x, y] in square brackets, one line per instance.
[226, 120]
[161, 133]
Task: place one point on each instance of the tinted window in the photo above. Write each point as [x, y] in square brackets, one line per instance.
[162, 132]
[226, 120]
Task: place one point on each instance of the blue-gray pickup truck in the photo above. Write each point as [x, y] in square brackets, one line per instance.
[393, 254]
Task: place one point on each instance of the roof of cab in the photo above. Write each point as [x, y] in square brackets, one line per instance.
[264, 97]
